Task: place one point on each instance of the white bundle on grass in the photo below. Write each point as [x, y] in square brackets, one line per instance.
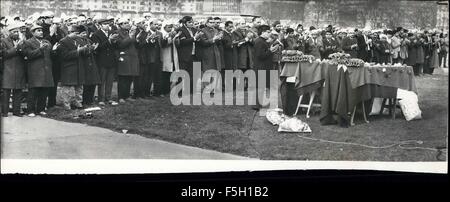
[275, 116]
[294, 125]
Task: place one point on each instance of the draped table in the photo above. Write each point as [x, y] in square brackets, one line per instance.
[343, 87]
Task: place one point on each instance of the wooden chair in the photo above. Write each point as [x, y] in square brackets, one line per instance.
[309, 105]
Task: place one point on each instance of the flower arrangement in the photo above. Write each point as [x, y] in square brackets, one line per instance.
[307, 58]
[355, 62]
[291, 55]
[339, 58]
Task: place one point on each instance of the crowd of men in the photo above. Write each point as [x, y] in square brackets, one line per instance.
[82, 54]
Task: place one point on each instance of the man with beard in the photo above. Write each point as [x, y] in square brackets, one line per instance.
[153, 41]
[128, 64]
[243, 40]
[13, 78]
[142, 82]
[106, 60]
[37, 53]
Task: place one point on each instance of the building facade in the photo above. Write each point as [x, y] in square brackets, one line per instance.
[344, 13]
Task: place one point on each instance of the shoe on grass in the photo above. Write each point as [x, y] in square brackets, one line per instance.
[17, 114]
[101, 103]
[121, 101]
[43, 113]
[31, 115]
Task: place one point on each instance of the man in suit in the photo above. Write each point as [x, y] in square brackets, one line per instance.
[229, 49]
[263, 60]
[330, 45]
[142, 82]
[106, 60]
[37, 53]
[243, 40]
[13, 78]
[154, 50]
[188, 37]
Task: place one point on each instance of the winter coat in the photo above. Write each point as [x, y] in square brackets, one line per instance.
[13, 65]
[39, 63]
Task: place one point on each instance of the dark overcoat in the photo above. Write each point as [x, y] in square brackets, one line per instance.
[13, 65]
[39, 63]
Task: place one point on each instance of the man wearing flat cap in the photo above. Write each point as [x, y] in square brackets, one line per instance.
[37, 51]
[13, 78]
[106, 59]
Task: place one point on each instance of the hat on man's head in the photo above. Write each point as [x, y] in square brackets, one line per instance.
[185, 19]
[263, 28]
[147, 15]
[77, 28]
[57, 20]
[47, 14]
[105, 20]
[15, 25]
[34, 27]
[122, 20]
[139, 20]
[277, 22]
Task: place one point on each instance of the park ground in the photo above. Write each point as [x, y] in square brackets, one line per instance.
[240, 131]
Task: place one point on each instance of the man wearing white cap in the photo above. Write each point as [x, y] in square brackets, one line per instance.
[13, 78]
[37, 53]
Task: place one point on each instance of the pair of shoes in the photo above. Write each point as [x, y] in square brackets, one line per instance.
[121, 101]
[17, 114]
[31, 115]
[113, 103]
[42, 113]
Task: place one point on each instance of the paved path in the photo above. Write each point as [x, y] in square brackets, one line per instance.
[43, 138]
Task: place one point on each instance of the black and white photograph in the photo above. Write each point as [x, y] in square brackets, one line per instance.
[187, 86]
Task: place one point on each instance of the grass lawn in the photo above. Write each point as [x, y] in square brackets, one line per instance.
[239, 130]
